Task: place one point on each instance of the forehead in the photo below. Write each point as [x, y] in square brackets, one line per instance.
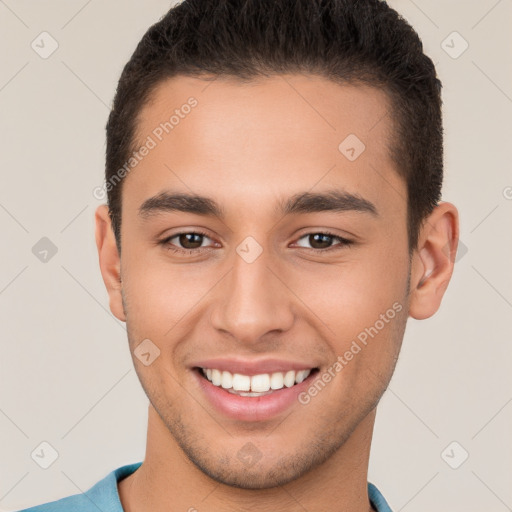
[244, 141]
[265, 106]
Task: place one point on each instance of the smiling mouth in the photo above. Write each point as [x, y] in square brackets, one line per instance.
[254, 385]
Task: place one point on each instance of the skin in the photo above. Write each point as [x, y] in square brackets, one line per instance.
[249, 146]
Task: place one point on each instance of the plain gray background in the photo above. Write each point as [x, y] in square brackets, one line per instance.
[66, 374]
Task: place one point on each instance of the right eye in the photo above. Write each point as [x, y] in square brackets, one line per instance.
[189, 242]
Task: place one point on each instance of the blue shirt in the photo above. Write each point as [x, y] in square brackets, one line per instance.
[104, 496]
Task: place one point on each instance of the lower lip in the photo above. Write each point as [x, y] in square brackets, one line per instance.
[252, 408]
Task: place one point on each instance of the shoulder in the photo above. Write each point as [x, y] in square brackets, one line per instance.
[77, 502]
[377, 500]
[102, 496]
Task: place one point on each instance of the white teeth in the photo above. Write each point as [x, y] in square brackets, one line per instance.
[244, 393]
[260, 383]
[241, 382]
[216, 377]
[227, 380]
[277, 381]
[301, 376]
[256, 385]
[289, 379]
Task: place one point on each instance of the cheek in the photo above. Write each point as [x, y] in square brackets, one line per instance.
[366, 344]
[362, 303]
[353, 294]
[160, 294]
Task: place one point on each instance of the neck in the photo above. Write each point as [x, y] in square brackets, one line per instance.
[167, 480]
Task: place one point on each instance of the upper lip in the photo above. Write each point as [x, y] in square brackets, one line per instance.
[254, 367]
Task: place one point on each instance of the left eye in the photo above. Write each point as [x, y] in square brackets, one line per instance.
[323, 241]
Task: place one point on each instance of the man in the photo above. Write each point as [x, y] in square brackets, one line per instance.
[274, 172]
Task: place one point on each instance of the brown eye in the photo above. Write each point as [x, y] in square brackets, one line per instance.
[320, 240]
[187, 241]
[323, 242]
[190, 240]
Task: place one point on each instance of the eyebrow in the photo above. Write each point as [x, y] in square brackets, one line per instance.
[304, 202]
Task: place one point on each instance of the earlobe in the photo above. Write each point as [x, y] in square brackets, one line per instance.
[110, 262]
[433, 261]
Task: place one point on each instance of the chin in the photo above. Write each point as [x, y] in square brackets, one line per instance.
[264, 478]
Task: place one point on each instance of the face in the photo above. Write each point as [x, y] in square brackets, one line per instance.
[260, 274]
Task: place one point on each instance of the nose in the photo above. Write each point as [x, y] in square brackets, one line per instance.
[252, 301]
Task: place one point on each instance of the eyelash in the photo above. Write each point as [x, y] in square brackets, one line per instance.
[166, 242]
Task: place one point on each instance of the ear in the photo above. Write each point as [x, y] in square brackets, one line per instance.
[433, 260]
[110, 262]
